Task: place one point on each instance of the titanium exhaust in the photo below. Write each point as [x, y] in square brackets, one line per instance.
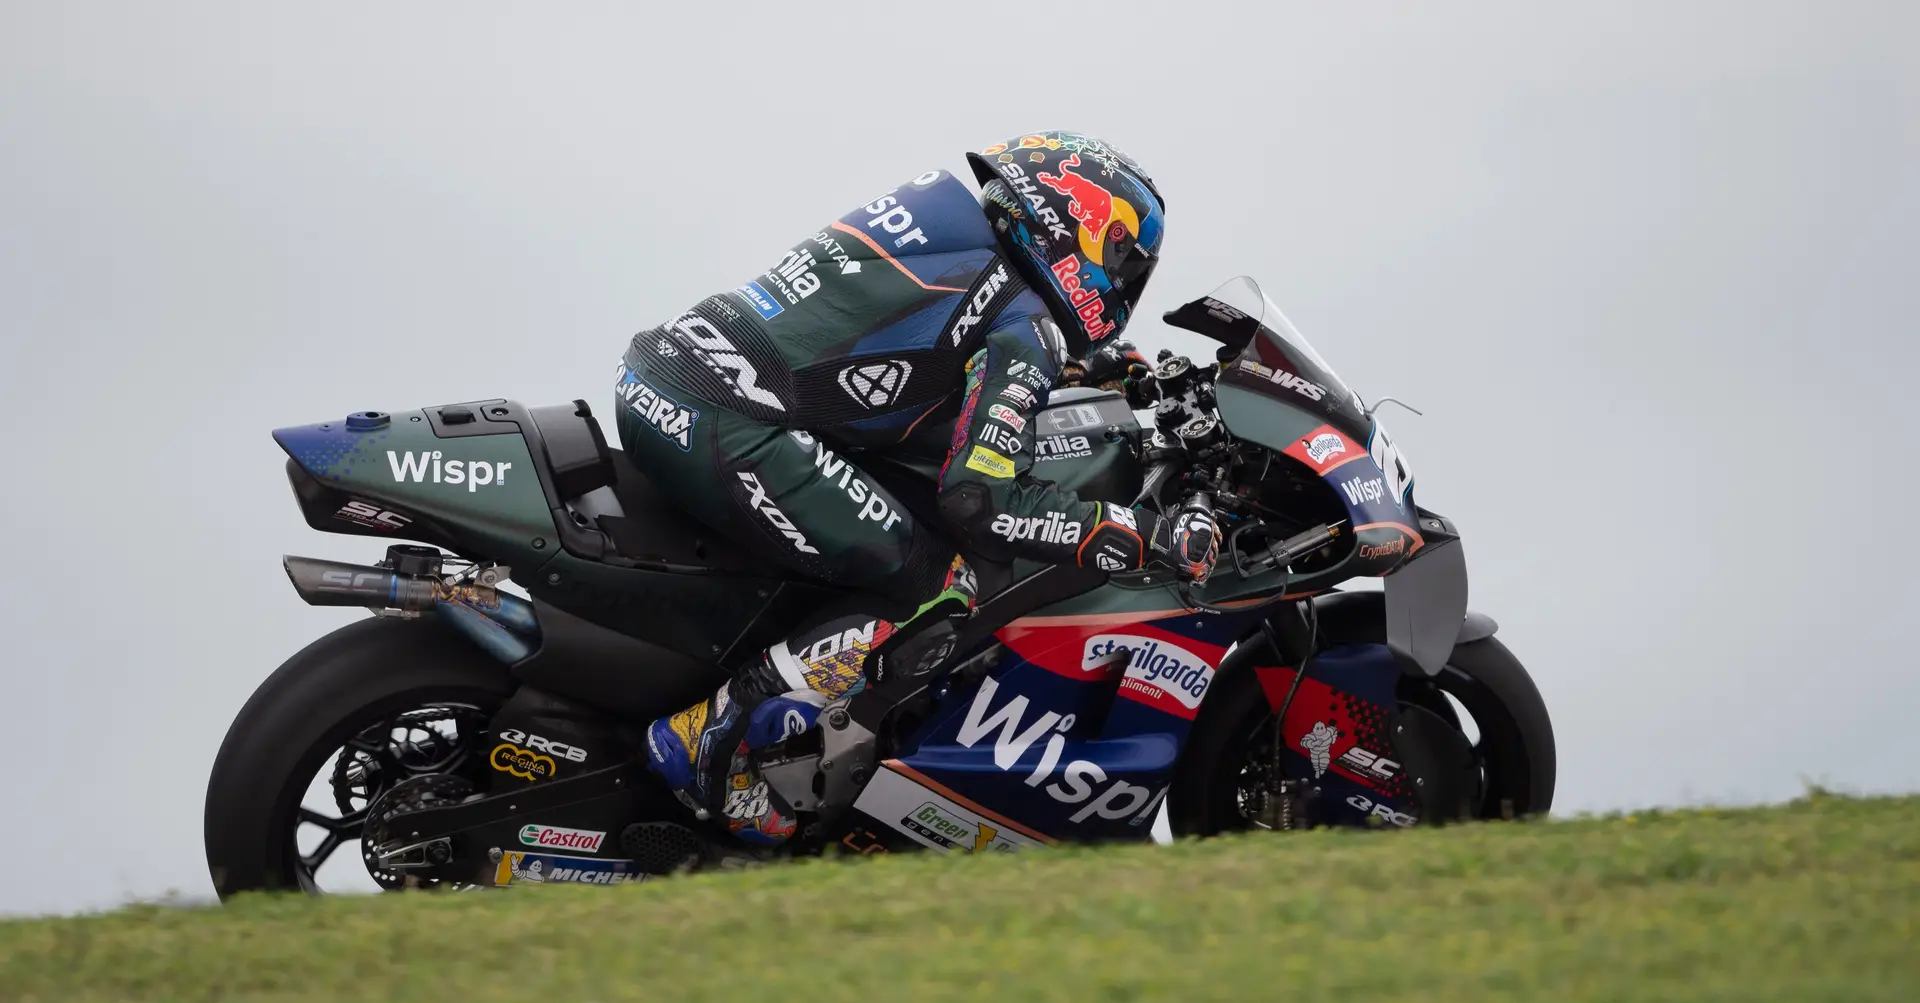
[408, 583]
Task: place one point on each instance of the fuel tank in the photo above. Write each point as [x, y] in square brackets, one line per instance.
[1084, 441]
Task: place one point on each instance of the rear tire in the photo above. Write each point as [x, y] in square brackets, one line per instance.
[1515, 751]
[304, 712]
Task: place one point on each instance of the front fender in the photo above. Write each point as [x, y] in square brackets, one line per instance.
[1361, 617]
[1344, 618]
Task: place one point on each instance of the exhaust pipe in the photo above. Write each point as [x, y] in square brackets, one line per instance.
[331, 583]
[504, 625]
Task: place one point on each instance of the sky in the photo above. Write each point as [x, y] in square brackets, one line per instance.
[1648, 269]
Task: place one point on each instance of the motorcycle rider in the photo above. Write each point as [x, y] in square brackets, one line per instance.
[927, 323]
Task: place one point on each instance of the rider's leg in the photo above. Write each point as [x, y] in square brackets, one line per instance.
[799, 503]
[703, 751]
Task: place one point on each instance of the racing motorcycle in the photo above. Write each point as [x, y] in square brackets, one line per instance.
[468, 736]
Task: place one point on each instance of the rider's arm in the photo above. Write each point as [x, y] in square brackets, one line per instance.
[987, 490]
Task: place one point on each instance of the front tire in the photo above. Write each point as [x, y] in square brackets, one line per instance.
[1514, 753]
[333, 689]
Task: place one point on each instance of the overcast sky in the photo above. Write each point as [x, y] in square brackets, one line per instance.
[1648, 269]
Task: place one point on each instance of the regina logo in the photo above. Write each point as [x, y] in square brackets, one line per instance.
[1159, 674]
[523, 763]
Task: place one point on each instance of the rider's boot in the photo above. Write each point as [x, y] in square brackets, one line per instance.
[703, 752]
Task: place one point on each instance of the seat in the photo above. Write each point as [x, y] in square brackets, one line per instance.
[653, 527]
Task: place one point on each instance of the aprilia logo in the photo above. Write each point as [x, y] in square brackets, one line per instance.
[757, 500]
[418, 467]
[977, 307]
[1079, 781]
[1061, 447]
[792, 276]
[718, 353]
[1051, 528]
[876, 384]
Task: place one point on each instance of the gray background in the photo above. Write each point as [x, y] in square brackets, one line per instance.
[1648, 268]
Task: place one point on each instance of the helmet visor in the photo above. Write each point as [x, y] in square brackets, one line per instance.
[1129, 273]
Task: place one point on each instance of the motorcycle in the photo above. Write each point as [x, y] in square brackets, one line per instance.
[466, 736]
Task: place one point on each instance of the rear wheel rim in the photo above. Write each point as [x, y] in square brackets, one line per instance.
[428, 733]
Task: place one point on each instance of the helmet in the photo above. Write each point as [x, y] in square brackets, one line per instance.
[1082, 223]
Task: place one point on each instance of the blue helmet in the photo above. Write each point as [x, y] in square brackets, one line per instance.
[1082, 223]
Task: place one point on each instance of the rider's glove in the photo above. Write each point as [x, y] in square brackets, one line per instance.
[1189, 541]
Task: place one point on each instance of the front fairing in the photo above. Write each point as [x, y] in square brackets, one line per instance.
[1275, 389]
[1272, 385]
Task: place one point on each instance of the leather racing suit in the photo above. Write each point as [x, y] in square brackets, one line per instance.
[899, 328]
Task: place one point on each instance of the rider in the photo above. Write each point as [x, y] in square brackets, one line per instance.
[924, 324]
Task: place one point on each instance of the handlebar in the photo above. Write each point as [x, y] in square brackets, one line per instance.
[1299, 545]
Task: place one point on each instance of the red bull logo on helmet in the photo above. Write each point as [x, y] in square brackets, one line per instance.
[1093, 207]
[1085, 299]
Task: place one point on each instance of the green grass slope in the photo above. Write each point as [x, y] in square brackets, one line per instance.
[1816, 900]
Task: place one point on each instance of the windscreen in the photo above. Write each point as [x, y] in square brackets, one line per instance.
[1267, 355]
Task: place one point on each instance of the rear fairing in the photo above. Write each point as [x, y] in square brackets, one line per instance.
[470, 487]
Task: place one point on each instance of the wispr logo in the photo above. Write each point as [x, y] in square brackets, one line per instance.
[1156, 670]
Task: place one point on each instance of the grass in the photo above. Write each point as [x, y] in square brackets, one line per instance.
[1815, 900]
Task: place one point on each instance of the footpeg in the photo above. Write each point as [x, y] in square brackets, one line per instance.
[846, 760]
